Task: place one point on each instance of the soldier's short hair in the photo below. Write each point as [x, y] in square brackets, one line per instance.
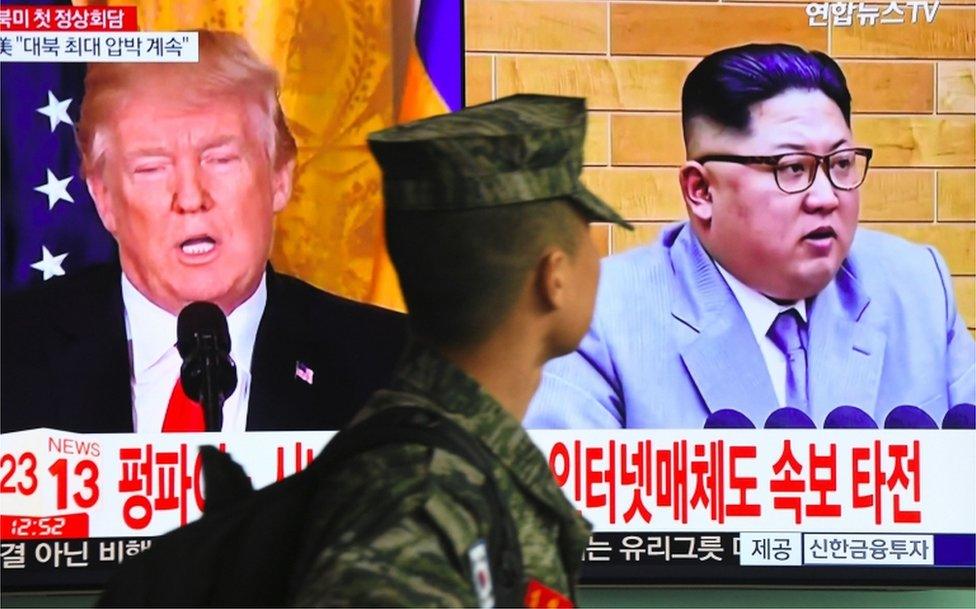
[462, 272]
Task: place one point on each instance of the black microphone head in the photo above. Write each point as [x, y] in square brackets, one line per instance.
[907, 416]
[728, 418]
[849, 417]
[199, 319]
[960, 416]
[789, 418]
[208, 372]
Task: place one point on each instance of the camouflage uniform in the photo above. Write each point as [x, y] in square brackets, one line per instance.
[418, 511]
[410, 518]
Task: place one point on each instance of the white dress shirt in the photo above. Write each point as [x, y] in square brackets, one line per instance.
[155, 362]
[761, 312]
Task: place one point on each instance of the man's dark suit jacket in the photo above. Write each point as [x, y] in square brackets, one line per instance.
[65, 361]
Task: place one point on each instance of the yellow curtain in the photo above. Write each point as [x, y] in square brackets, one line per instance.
[334, 57]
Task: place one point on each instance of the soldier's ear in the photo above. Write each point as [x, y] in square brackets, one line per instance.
[551, 279]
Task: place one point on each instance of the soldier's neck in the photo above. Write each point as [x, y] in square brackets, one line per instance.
[507, 367]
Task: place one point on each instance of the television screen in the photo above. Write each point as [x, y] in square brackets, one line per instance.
[693, 437]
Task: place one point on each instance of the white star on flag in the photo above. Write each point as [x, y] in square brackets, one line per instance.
[50, 265]
[55, 189]
[56, 111]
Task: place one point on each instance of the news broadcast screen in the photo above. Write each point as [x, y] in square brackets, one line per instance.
[668, 428]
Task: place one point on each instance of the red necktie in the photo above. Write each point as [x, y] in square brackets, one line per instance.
[183, 414]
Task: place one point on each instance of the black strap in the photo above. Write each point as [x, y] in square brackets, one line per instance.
[426, 427]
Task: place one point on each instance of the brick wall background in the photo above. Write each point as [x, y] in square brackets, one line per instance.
[912, 84]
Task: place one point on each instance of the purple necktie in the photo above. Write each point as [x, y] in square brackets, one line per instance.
[787, 333]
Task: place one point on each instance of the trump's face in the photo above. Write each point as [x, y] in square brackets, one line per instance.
[190, 194]
[787, 246]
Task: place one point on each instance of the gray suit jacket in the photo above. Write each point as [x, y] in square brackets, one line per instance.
[669, 343]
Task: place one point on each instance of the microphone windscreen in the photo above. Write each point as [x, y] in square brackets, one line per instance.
[960, 416]
[201, 318]
[789, 418]
[849, 417]
[909, 417]
[728, 418]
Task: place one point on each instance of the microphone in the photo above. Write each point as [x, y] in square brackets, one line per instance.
[728, 418]
[960, 416]
[789, 418]
[909, 417]
[849, 417]
[208, 373]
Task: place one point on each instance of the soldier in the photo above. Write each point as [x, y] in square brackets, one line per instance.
[486, 224]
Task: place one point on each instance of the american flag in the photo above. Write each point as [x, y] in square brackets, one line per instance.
[49, 224]
[304, 372]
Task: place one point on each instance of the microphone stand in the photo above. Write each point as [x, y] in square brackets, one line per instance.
[208, 373]
[202, 374]
[212, 398]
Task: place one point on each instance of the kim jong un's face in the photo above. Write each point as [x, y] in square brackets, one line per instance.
[787, 245]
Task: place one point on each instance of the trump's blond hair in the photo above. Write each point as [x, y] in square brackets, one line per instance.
[228, 66]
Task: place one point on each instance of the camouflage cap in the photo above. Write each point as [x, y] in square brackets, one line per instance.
[518, 149]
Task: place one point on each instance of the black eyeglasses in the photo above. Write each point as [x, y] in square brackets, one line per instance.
[796, 171]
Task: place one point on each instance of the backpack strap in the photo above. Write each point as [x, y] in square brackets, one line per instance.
[402, 425]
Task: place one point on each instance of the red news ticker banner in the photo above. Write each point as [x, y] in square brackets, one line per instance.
[58, 485]
[24, 18]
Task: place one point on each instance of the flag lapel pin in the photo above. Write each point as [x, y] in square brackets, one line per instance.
[303, 372]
